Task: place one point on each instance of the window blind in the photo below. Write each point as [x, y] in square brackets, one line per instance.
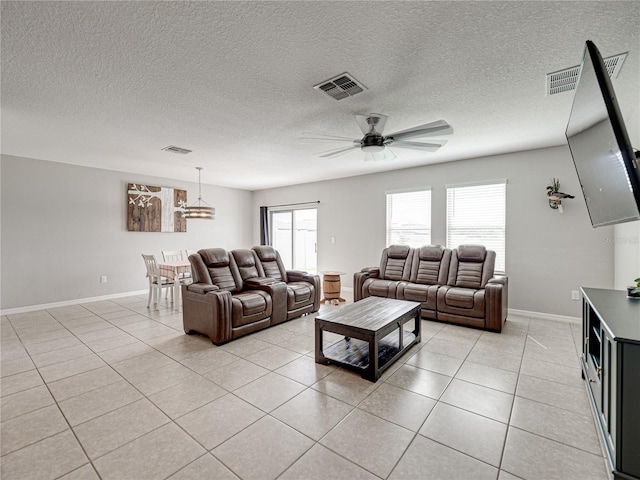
[476, 214]
[409, 218]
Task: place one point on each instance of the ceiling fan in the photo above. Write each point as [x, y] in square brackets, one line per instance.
[374, 143]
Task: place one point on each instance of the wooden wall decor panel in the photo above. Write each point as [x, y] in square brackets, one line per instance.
[155, 209]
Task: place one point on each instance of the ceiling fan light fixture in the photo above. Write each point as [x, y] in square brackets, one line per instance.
[197, 210]
[372, 148]
[372, 141]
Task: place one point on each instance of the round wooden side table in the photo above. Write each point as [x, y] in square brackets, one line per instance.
[331, 287]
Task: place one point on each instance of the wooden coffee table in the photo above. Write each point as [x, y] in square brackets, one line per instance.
[374, 334]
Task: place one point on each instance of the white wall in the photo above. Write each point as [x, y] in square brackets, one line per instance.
[64, 226]
[626, 241]
[626, 237]
[548, 254]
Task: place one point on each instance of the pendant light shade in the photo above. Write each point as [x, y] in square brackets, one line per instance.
[197, 210]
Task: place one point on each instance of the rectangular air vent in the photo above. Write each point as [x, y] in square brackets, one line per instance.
[174, 149]
[342, 86]
[565, 80]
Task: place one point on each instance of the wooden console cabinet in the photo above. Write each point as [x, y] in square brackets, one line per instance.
[611, 367]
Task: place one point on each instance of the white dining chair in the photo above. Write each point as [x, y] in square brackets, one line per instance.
[156, 281]
[172, 255]
[176, 256]
[188, 252]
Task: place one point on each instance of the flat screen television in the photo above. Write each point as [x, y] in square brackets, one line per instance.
[602, 154]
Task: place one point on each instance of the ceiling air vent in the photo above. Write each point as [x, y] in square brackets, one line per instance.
[342, 86]
[565, 80]
[174, 149]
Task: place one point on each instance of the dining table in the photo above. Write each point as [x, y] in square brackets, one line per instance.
[178, 271]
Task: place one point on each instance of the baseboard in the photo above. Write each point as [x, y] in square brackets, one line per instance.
[545, 316]
[66, 303]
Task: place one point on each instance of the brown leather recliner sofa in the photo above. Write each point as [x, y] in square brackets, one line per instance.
[231, 295]
[454, 286]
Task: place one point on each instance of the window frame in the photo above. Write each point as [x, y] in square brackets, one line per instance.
[389, 230]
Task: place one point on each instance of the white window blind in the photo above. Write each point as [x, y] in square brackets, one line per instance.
[476, 215]
[409, 218]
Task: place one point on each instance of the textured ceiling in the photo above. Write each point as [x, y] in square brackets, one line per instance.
[109, 84]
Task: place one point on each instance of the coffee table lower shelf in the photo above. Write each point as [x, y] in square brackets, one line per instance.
[354, 353]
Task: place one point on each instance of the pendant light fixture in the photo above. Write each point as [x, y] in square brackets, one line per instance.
[197, 210]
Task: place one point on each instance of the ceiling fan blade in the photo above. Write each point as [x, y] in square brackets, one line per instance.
[437, 128]
[386, 154]
[339, 151]
[365, 124]
[427, 147]
[322, 136]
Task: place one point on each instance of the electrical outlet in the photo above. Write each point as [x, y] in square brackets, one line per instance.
[333, 239]
[575, 295]
[103, 279]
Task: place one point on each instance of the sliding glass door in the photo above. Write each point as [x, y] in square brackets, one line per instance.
[294, 233]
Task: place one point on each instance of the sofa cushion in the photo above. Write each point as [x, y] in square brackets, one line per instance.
[415, 292]
[398, 251]
[252, 303]
[460, 297]
[394, 269]
[471, 253]
[266, 253]
[431, 252]
[248, 307]
[215, 257]
[381, 288]
[396, 263]
[222, 277]
[469, 275]
[298, 293]
[461, 301]
[430, 265]
[246, 262]
[427, 272]
[271, 270]
[268, 258]
[220, 265]
[425, 294]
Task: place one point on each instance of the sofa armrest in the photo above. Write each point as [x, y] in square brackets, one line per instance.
[373, 272]
[300, 276]
[498, 280]
[360, 277]
[202, 288]
[208, 313]
[496, 298]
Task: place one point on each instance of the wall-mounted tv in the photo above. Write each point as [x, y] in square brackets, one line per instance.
[602, 154]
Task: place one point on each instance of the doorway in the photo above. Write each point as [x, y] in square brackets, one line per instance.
[294, 233]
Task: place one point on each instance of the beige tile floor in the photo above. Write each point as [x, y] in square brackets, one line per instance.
[113, 390]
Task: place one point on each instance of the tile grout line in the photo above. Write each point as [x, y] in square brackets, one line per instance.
[506, 435]
[70, 428]
[438, 400]
[269, 414]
